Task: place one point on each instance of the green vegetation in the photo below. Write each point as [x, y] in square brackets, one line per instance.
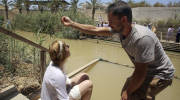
[94, 4]
[45, 22]
[3, 52]
[15, 55]
[50, 23]
[18, 58]
[74, 6]
[157, 4]
[1, 20]
[138, 4]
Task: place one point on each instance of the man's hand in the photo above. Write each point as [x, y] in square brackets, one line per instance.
[66, 21]
[88, 29]
[124, 95]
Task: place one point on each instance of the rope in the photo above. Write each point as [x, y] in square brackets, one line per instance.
[128, 66]
[117, 44]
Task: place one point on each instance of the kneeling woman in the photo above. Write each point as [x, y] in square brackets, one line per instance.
[56, 85]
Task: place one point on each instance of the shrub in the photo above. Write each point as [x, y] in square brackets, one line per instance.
[79, 17]
[45, 22]
[3, 49]
[1, 20]
[50, 23]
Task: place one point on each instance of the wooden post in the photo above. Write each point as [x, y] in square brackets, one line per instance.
[43, 63]
[161, 36]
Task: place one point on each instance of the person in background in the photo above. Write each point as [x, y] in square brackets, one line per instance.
[169, 33]
[105, 24]
[153, 29]
[149, 26]
[178, 35]
[102, 23]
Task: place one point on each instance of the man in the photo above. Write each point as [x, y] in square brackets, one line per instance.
[153, 69]
[178, 35]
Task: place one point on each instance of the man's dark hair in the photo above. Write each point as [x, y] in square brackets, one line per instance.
[120, 8]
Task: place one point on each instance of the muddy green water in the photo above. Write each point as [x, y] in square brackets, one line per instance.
[108, 79]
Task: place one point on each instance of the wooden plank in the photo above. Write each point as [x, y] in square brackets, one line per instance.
[169, 42]
[16, 36]
[4, 93]
[43, 63]
[82, 68]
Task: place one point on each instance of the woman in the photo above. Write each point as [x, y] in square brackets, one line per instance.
[56, 85]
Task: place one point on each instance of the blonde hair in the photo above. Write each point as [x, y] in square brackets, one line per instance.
[57, 54]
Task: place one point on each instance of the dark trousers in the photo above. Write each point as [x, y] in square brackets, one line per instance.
[178, 37]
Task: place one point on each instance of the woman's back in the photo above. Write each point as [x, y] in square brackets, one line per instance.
[54, 84]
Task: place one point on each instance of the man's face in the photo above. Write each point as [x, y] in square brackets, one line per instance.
[115, 23]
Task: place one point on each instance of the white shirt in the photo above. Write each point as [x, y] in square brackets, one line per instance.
[170, 30]
[54, 84]
[105, 25]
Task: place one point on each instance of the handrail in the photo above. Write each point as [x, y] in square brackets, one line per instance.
[16, 36]
[42, 52]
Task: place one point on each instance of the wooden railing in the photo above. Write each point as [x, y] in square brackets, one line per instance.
[43, 50]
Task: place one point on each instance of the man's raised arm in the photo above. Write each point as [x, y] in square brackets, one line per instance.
[88, 29]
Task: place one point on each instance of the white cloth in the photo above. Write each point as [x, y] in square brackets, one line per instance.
[170, 31]
[105, 25]
[75, 93]
[68, 81]
[54, 85]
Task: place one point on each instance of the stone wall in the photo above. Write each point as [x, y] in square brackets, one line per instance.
[144, 13]
[156, 13]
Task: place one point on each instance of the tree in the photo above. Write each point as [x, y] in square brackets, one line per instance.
[157, 4]
[54, 5]
[170, 4]
[19, 5]
[176, 4]
[41, 7]
[131, 3]
[93, 4]
[74, 4]
[143, 4]
[6, 5]
[27, 5]
[88, 5]
[82, 5]
[116, 0]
